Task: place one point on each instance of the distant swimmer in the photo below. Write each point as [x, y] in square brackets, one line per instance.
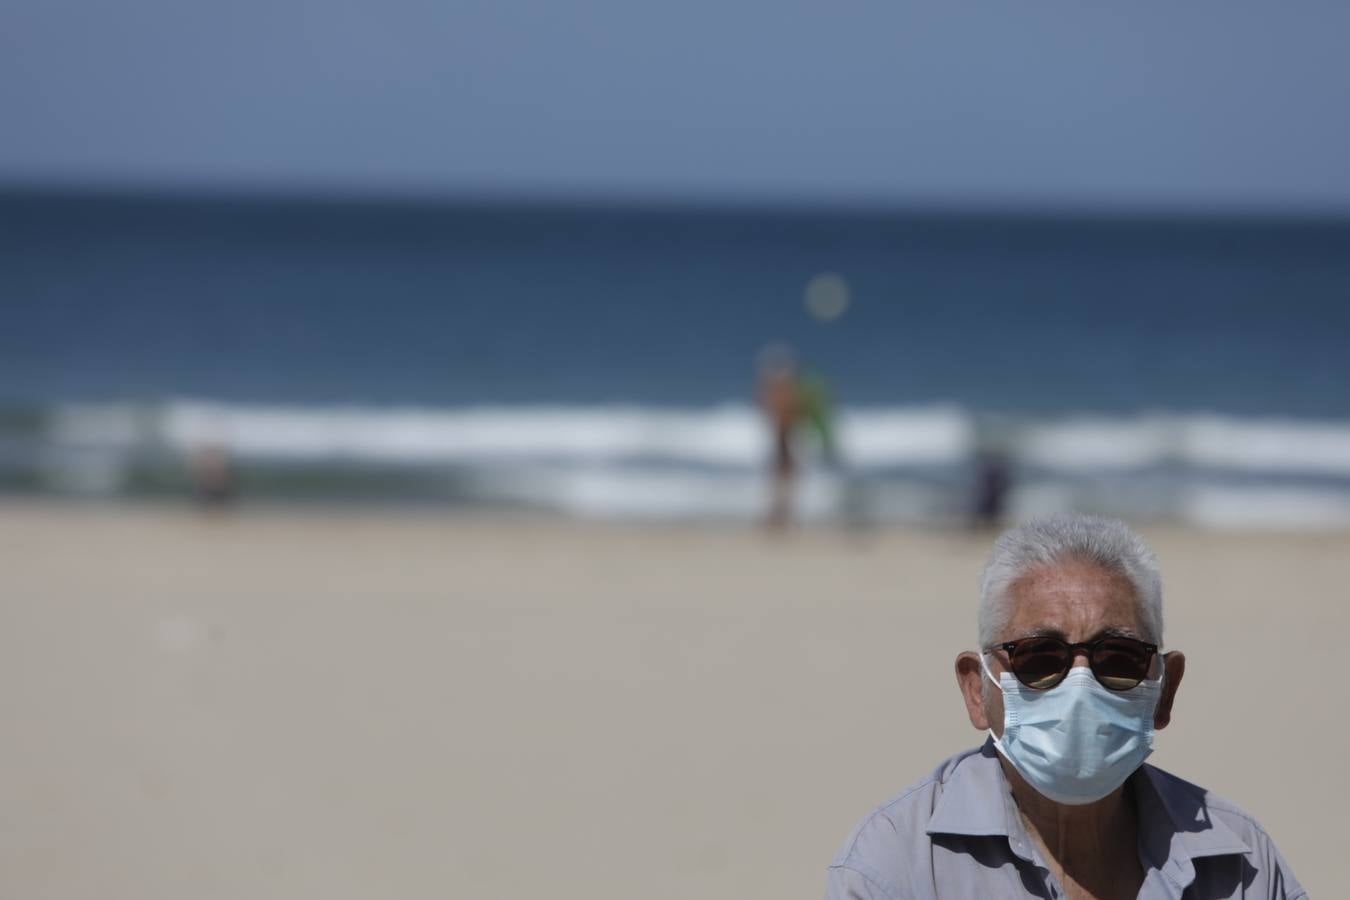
[781, 400]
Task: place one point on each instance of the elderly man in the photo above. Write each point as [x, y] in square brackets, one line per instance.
[1071, 685]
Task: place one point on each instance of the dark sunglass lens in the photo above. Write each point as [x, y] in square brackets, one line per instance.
[1120, 664]
[1040, 663]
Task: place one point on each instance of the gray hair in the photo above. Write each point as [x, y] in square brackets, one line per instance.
[1108, 543]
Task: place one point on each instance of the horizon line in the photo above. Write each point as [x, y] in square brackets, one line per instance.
[553, 198]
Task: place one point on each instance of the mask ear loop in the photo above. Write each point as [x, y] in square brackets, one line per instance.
[984, 667]
[998, 741]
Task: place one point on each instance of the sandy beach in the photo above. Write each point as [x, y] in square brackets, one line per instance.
[299, 704]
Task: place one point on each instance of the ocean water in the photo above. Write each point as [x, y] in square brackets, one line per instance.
[600, 361]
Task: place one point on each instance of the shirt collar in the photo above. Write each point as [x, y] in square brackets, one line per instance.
[1174, 821]
[972, 798]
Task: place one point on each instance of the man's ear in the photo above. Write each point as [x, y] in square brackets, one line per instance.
[970, 678]
[1174, 666]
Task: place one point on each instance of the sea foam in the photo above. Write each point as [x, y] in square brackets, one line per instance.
[624, 461]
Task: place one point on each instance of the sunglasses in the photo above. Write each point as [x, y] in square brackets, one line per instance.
[1118, 663]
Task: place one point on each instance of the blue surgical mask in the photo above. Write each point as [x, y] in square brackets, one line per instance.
[1078, 741]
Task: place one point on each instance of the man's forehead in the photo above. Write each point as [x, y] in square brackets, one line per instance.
[1073, 599]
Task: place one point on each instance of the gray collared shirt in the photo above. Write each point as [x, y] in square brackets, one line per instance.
[958, 834]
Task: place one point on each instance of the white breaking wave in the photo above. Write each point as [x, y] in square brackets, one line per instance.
[634, 462]
[728, 435]
[722, 436]
[731, 435]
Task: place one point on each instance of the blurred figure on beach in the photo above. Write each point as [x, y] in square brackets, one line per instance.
[211, 470]
[991, 473]
[817, 410]
[781, 400]
[992, 481]
[794, 397]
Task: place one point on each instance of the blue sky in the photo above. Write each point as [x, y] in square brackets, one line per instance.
[1195, 105]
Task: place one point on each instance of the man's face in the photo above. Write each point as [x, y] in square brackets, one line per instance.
[1074, 601]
